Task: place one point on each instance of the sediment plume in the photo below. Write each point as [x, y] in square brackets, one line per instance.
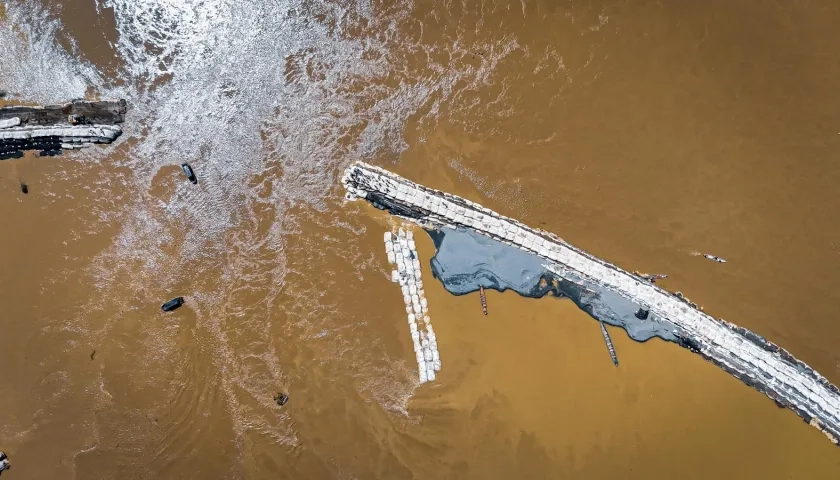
[751, 358]
[54, 128]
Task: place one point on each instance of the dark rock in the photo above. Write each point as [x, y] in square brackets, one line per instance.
[281, 399]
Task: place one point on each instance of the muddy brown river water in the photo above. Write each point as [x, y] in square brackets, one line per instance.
[641, 132]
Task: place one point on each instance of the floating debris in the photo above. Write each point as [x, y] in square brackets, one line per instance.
[188, 171]
[687, 342]
[483, 300]
[713, 257]
[609, 343]
[402, 251]
[173, 304]
[24, 188]
[75, 119]
[281, 399]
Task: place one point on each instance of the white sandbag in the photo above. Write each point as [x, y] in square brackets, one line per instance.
[10, 122]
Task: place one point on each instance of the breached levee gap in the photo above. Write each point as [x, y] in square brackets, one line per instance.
[757, 362]
[402, 252]
[53, 128]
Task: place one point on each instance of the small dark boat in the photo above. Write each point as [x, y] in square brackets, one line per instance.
[24, 188]
[173, 304]
[714, 258]
[188, 171]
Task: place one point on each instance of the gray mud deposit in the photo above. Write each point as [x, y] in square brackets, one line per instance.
[466, 260]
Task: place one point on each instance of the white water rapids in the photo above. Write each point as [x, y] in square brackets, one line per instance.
[269, 100]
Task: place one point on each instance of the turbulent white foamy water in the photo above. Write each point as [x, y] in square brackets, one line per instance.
[35, 67]
[268, 101]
